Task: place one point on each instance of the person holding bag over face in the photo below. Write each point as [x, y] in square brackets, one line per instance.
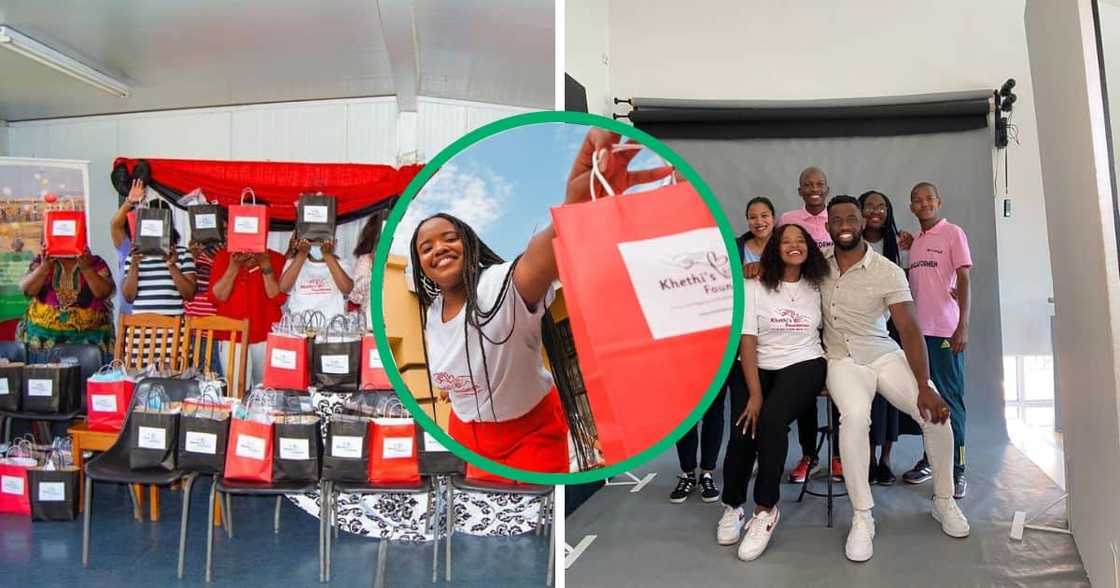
[314, 279]
[159, 284]
[247, 288]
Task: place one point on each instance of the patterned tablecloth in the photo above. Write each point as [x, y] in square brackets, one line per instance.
[404, 516]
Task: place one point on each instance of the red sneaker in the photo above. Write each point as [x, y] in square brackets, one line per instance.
[837, 470]
[804, 468]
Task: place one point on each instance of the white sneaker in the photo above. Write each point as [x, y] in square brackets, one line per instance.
[946, 512]
[860, 546]
[730, 525]
[758, 535]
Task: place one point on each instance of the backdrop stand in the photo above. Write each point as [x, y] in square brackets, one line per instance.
[1020, 522]
[635, 481]
[571, 554]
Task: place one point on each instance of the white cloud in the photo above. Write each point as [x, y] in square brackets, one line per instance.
[476, 196]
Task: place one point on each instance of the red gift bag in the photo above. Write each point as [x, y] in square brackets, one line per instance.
[649, 350]
[107, 404]
[247, 231]
[392, 454]
[15, 491]
[249, 451]
[373, 372]
[286, 365]
[64, 233]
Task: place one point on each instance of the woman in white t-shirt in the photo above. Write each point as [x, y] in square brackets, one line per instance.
[783, 363]
[313, 278]
[482, 324]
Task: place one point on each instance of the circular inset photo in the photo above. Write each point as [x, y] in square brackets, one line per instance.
[558, 294]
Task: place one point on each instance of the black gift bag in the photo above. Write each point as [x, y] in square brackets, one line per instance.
[51, 388]
[434, 458]
[298, 449]
[153, 438]
[11, 386]
[54, 493]
[153, 231]
[202, 441]
[346, 455]
[315, 218]
[336, 358]
[208, 223]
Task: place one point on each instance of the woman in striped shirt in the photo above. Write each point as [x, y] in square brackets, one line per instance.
[160, 284]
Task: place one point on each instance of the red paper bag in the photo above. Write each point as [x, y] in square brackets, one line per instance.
[392, 455]
[15, 491]
[249, 451]
[64, 233]
[132, 224]
[649, 350]
[247, 231]
[373, 372]
[286, 365]
[107, 404]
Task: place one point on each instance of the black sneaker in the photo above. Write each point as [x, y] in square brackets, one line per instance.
[686, 484]
[960, 485]
[884, 476]
[709, 492]
[873, 474]
[920, 473]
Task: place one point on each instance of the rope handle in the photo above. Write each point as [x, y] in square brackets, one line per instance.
[250, 192]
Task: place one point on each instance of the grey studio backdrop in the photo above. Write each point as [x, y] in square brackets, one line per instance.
[959, 163]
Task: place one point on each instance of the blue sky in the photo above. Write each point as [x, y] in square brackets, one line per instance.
[504, 185]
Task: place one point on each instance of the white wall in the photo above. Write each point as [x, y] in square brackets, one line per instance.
[3, 138]
[587, 52]
[799, 50]
[1110, 41]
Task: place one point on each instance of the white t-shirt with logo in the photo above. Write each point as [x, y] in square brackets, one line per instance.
[518, 380]
[786, 321]
[315, 289]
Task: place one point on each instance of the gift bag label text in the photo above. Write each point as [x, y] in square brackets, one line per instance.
[103, 402]
[315, 214]
[250, 447]
[11, 485]
[64, 228]
[39, 387]
[206, 443]
[375, 359]
[397, 448]
[430, 443]
[335, 364]
[152, 438]
[151, 228]
[4, 386]
[206, 221]
[245, 224]
[346, 446]
[291, 449]
[52, 491]
[284, 359]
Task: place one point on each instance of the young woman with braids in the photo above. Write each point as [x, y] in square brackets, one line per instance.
[481, 319]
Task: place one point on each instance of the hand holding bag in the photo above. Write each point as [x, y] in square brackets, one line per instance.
[64, 232]
[248, 226]
[208, 223]
[315, 220]
[153, 231]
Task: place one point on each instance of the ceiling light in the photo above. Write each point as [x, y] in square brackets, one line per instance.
[28, 47]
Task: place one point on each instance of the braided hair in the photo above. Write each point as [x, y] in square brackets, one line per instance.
[889, 230]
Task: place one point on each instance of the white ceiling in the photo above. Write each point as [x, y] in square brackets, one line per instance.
[177, 54]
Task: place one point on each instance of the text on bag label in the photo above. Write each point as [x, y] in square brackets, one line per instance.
[683, 281]
[199, 442]
[250, 447]
[375, 359]
[152, 438]
[103, 402]
[346, 446]
[335, 364]
[206, 221]
[4, 386]
[40, 387]
[64, 228]
[292, 448]
[397, 448]
[52, 491]
[246, 224]
[151, 228]
[284, 359]
[11, 485]
[430, 443]
[315, 213]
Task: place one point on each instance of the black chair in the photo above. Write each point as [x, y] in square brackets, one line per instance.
[112, 466]
[548, 507]
[331, 490]
[90, 359]
[824, 434]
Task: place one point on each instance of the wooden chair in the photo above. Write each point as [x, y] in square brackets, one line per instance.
[201, 344]
[146, 339]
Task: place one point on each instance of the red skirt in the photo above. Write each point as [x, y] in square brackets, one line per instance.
[536, 441]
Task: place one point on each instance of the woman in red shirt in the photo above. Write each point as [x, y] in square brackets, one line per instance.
[247, 287]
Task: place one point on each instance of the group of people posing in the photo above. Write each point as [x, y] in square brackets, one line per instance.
[838, 299]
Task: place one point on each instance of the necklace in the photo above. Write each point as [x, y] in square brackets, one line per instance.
[791, 291]
[66, 289]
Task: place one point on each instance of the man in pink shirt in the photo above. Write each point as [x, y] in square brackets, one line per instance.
[812, 186]
[939, 280]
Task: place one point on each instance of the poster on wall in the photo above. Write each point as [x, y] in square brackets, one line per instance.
[28, 188]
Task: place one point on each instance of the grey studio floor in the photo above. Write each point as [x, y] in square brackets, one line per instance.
[125, 552]
[643, 540]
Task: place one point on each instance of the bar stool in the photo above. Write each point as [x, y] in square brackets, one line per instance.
[824, 435]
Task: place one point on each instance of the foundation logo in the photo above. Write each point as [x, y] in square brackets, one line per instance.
[790, 320]
[454, 385]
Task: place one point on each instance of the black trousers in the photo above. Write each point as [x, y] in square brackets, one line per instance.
[710, 435]
[786, 394]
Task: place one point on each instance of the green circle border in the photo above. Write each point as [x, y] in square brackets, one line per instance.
[382, 256]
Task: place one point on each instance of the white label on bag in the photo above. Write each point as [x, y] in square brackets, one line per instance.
[152, 438]
[335, 364]
[315, 214]
[250, 447]
[430, 443]
[284, 359]
[683, 281]
[397, 448]
[245, 224]
[294, 448]
[103, 402]
[151, 228]
[346, 446]
[11, 485]
[206, 221]
[52, 491]
[64, 228]
[375, 359]
[198, 442]
[39, 387]
[4, 386]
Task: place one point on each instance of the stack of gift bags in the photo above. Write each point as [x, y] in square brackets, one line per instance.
[39, 481]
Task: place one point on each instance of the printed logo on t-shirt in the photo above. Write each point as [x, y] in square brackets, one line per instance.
[454, 385]
[930, 263]
[790, 320]
[316, 287]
